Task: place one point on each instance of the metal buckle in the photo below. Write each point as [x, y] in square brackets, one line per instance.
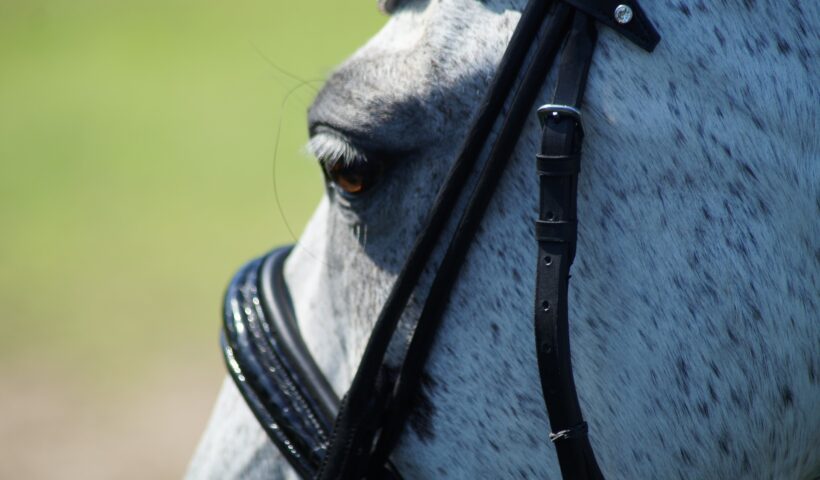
[554, 110]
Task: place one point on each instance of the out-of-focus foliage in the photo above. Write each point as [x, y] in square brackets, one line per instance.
[137, 144]
[137, 140]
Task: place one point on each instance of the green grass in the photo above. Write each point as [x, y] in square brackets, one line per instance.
[137, 140]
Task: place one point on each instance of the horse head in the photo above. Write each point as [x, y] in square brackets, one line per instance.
[693, 302]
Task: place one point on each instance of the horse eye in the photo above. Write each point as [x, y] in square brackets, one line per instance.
[356, 177]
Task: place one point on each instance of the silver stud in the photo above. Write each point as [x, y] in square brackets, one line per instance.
[623, 14]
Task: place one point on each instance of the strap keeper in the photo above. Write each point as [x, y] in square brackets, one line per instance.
[576, 431]
[558, 165]
[559, 232]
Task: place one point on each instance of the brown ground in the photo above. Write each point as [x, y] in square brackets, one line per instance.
[55, 429]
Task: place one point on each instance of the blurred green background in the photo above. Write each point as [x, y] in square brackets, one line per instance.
[137, 147]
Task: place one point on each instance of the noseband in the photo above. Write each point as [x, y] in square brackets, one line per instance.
[326, 439]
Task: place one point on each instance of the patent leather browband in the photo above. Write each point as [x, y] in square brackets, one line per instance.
[328, 439]
[271, 366]
[273, 369]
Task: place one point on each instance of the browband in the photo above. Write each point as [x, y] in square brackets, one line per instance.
[273, 369]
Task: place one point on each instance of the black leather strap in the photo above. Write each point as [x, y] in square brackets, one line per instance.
[274, 298]
[555, 230]
[638, 28]
[410, 374]
[363, 408]
[556, 234]
[272, 368]
[558, 164]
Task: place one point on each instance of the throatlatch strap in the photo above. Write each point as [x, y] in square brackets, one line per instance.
[558, 166]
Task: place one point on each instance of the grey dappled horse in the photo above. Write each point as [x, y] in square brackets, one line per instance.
[694, 319]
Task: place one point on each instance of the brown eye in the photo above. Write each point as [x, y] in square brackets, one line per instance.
[356, 177]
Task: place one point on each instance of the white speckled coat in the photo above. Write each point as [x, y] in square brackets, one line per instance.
[694, 303]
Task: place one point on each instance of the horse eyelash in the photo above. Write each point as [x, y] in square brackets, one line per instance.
[331, 150]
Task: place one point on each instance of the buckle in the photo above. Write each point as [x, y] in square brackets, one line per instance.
[556, 111]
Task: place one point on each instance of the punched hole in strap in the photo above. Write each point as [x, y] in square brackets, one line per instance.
[558, 165]
[562, 232]
[576, 431]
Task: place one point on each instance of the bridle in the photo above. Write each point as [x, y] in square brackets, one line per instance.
[268, 359]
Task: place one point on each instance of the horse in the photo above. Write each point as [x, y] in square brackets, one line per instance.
[693, 303]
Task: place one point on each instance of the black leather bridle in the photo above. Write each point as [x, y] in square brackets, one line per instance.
[268, 359]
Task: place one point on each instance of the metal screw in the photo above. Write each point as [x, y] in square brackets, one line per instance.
[623, 14]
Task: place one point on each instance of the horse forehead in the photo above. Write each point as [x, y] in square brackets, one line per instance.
[420, 77]
[453, 35]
